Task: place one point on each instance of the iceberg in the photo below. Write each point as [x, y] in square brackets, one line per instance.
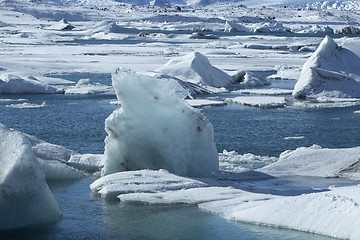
[156, 129]
[331, 71]
[196, 68]
[25, 198]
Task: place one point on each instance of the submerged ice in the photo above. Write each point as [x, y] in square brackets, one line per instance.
[156, 129]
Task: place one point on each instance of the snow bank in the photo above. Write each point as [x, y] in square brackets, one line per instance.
[333, 213]
[196, 68]
[318, 162]
[112, 185]
[25, 198]
[13, 84]
[156, 129]
[331, 71]
[259, 101]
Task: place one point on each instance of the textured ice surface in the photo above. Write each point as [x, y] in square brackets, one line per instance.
[156, 129]
[141, 181]
[196, 68]
[25, 198]
[317, 161]
[331, 71]
[13, 84]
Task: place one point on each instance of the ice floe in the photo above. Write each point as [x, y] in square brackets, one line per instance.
[264, 91]
[318, 162]
[331, 213]
[27, 105]
[112, 185]
[259, 101]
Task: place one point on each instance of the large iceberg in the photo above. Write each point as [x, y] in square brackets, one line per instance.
[331, 71]
[156, 129]
[25, 198]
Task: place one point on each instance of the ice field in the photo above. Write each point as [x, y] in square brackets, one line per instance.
[179, 119]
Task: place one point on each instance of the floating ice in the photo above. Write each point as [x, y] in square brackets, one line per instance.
[13, 84]
[204, 103]
[112, 185]
[332, 213]
[156, 129]
[259, 101]
[331, 71]
[264, 91]
[27, 105]
[25, 198]
[196, 68]
[318, 162]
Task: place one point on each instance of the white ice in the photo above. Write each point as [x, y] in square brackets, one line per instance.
[317, 162]
[13, 84]
[156, 129]
[196, 68]
[25, 198]
[331, 71]
[259, 101]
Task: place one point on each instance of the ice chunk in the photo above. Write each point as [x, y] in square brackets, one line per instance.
[13, 84]
[271, 27]
[259, 101]
[112, 185]
[331, 71]
[58, 170]
[87, 162]
[183, 196]
[156, 129]
[318, 162]
[234, 27]
[196, 68]
[25, 198]
[62, 25]
[204, 103]
[49, 151]
[249, 79]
